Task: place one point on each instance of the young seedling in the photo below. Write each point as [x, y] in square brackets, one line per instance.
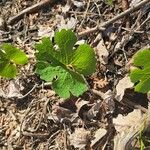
[141, 75]
[63, 65]
[10, 57]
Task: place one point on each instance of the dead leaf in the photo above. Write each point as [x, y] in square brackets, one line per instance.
[99, 138]
[80, 138]
[58, 113]
[127, 127]
[66, 8]
[95, 111]
[78, 3]
[122, 85]
[14, 89]
[45, 31]
[125, 122]
[68, 23]
[102, 52]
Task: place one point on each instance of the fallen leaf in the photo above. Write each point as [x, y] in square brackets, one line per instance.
[125, 122]
[66, 8]
[78, 4]
[14, 89]
[99, 138]
[127, 127]
[102, 52]
[62, 23]
[45, 31]
[80, 138]
[122, 85]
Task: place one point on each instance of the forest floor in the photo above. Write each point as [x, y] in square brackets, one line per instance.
[111, 115]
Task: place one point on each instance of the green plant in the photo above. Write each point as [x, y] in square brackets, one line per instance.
[10, 56]
[141, 75]
[143, 138]
[109, 2]
[64, 65]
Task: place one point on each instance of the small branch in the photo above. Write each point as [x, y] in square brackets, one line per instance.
[107, 23]
[34, 87]
[29, 10]
[99, 93]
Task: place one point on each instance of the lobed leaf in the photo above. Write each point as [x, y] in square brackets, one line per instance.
[65, 82]
[142, 58]
[65, 39]
[142, 74]
[14, 54]
[8, 70]
[63, 65]
[10, 56]
[84, 60]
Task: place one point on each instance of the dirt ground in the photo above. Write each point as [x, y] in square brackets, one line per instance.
[111, 115]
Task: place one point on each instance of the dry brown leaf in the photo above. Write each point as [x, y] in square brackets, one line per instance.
[12, 90]
[127, 127]
[78, 3]
[102, 52]
[66, 8]
[80, 138]
[59, 113]
[125, 122]
[62, 23]
[95, 111]
[122, 85]
[45, 30]
[98, 137]
[100, 83]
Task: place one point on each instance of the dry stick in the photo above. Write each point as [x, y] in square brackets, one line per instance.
[107, 23]
[29, 10]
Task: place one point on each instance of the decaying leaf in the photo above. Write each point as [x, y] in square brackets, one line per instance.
[127, 127]
[102, 52]
[13, 90]
[99, 138]
[78, 3]
[123, 84]
[65, 24]
[80, 138]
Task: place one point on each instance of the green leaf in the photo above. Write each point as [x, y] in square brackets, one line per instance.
[8, 70]
[63, 65]
[142, 58]
[84, 60]
[14, 54]
[141, 75]
[65, 82]
[45, 49]
[46, 52]
[65, 39]
[10, 56]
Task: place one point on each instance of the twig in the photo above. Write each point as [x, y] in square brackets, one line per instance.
[99, 93]
[34, 87]
[29, 10]
[143, 23]
[38, 135]
[85, 13]
[107, 23]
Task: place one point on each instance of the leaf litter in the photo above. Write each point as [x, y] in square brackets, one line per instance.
[42, 120]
